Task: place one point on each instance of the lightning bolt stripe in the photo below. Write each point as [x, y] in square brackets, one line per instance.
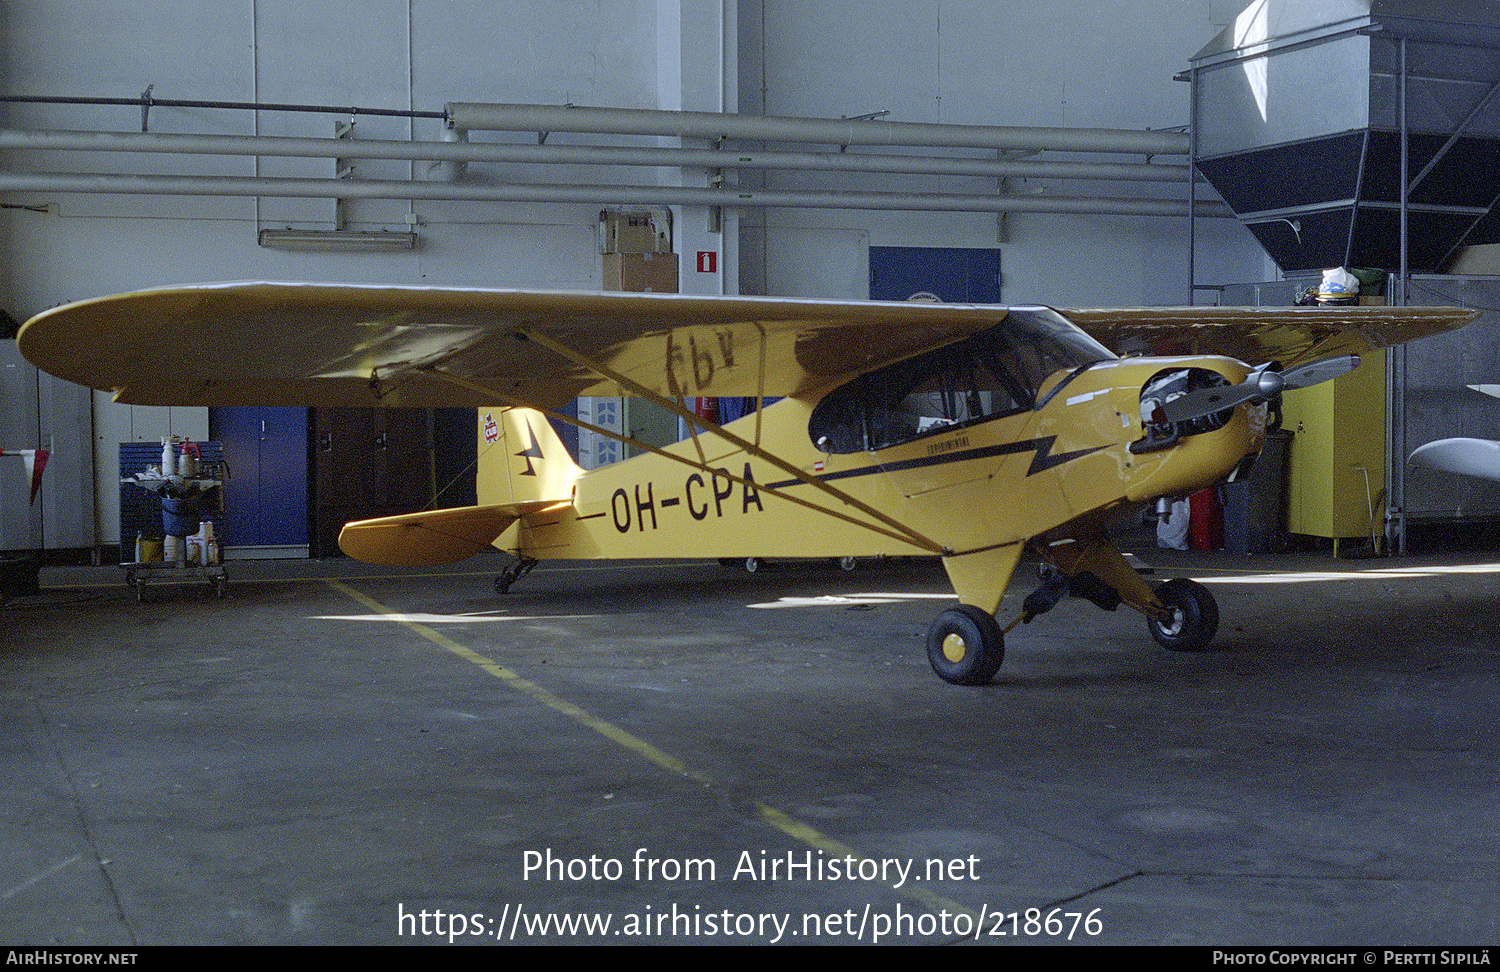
[533, 451]
[1043, 460]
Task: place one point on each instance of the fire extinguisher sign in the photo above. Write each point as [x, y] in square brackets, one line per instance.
[708, 261]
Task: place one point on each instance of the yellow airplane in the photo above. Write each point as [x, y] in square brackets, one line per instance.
[968, 432]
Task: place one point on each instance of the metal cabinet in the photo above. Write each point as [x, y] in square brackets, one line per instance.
[1336, 467]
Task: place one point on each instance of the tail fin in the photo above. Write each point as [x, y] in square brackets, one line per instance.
[521, 459]
[523, 468]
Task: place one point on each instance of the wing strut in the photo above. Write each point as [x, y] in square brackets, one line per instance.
[904, 536]
[752, 448]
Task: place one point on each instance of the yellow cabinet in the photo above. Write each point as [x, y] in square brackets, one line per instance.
[1336, 467]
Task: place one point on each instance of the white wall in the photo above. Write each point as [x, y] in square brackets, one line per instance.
[977, 62]
[397, 54]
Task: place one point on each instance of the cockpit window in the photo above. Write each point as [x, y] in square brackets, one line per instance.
[993, 373]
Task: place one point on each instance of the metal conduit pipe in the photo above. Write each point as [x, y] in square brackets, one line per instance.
[464, 152]
[147, 100]
[467, 116]
[634, 195]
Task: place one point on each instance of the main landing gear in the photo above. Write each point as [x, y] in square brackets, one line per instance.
[1191, 619]
[965, 645]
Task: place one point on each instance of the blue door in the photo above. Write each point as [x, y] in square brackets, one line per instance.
[954, 275]
[265, 496]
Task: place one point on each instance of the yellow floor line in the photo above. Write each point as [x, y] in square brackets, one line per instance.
[788, 825]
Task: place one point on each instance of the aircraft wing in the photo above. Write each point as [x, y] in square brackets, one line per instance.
[1468, 457]
[352, 345]
[1259, 334]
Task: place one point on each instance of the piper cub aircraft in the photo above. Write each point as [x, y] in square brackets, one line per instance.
[971, 433]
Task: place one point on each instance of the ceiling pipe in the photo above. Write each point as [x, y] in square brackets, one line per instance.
[471, 116]
[460, 151]
[588, 194]
[468, 116]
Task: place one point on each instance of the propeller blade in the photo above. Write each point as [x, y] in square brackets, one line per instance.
[1262, 383]
[1317, 372]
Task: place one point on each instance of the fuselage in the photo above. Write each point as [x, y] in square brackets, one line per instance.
[1077, 452]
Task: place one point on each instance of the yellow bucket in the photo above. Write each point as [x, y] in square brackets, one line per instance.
[147, 551]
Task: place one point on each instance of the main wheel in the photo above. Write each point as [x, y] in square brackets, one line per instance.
[965, 646]
[1194, 616]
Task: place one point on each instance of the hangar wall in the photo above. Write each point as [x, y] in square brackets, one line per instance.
[1108, 65]
[1048, 63]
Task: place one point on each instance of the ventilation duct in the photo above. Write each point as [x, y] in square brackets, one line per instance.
[1299, 111]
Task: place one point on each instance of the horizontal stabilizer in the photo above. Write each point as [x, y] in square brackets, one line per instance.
[431, 537]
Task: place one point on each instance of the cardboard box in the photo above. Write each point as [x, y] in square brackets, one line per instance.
[634, 232]
[641, 272]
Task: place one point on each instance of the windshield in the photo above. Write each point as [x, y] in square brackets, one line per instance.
[993, 373]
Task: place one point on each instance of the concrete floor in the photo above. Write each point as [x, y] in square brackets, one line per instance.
[690, 753]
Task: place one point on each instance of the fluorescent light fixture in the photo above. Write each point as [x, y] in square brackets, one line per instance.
[358, 240]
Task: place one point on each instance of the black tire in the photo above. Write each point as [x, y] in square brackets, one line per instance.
[1195, 616]
[965, 646]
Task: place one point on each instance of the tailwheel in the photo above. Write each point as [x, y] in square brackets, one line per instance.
[965, 646]
[1193, 616]
[513, 572]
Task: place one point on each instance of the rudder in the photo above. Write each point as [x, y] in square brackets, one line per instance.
[521, 459]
